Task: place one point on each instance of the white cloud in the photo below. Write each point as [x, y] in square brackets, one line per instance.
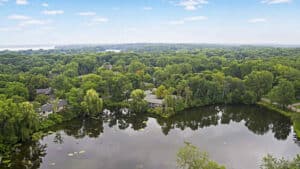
[192, 4]
[47, 28]
[45, 4]
[147, 8]
[178, 22]
[21, 2]
[257, 20]
[97, 20]
[33, 22]
[53, 12]
[188, 19]
[26, 20]
[275, 1]
[87, 13]
[18, 17]
[195, 18]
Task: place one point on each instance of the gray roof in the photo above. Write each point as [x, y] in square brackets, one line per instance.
[46, 91]
[108, 66]
[49, 107]
[151, 98]
[62, 103]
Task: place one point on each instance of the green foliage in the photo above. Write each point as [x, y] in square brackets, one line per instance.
[16, 89]
[56, 118]
[161, 92]
[137, 103]
[18, 99]
[189, 157]
[92, 104]
[74, 98]
[113, 105]
[45, 124]
[270, 162]
[196, 75]
[37, 136]
[17, 121]
[283, 93]
[136, 67]
[93, 81]
[42, 99]
[174, 103]
[296, 124]
[119, 87]
[259, 82]
[52, 120]
[249, 97]
[297, 88]
[165, 112]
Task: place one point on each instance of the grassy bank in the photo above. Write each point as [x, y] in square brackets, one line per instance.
[295, 117]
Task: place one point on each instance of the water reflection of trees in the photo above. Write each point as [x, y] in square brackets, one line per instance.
[79, 128]
[260, 120]
[131, 120]
[30, 155]
[256, 119]
[192, 119]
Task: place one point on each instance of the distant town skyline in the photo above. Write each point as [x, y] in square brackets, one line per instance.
[56, 22]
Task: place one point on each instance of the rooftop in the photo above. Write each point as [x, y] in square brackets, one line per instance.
[49, 107]
[151, 98]
[46, 91]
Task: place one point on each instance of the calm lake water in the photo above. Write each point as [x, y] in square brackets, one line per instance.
[235, 136]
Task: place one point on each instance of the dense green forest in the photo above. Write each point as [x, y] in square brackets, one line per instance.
[181, 76]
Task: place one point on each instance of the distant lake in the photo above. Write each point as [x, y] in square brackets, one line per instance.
[21, 48]
[235, 136]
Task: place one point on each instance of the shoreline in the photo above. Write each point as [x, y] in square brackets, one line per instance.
[295, 117]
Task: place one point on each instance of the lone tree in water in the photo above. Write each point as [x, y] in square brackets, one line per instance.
[92, 104]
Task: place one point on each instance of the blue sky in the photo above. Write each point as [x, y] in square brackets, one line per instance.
[24, 22]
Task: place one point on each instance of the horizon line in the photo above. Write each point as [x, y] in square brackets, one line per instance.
[151, 43]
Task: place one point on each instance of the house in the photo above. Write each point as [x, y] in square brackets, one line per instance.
[46, 91]
[48, 108]
[107, 66]
[152, 100]
[62, 105]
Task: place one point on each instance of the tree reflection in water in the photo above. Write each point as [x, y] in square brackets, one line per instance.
[30, 155]
[258, 120]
